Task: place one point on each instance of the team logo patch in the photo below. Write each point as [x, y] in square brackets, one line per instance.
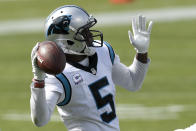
[77, 78]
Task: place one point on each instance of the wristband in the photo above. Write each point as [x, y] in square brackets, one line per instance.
[142, 57]
[38, 83]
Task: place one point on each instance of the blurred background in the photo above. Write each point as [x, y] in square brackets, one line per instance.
[167, 98]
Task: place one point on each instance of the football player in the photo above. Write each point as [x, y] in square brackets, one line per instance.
[84, 92]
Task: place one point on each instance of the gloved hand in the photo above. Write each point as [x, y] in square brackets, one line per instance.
[140, 38]
[38, 73]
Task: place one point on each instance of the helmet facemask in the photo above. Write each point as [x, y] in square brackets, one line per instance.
[88, 35]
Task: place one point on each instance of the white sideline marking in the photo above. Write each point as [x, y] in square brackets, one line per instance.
[157, 15]
[21, 26]
[25, 117]
[149, 113]
[124, 112]
[105, 19]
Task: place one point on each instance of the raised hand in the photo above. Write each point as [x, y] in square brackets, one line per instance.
[140, 38]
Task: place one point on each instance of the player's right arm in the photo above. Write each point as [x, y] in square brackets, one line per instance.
[41, 105]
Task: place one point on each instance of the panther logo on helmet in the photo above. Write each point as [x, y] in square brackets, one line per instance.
[60, 25]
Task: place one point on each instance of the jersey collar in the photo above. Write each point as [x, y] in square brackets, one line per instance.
[92, 68]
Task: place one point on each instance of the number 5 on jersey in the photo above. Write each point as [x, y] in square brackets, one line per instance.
[102, 101]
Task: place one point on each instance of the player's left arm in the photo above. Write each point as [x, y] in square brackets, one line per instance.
[140, 38]
[133, 76]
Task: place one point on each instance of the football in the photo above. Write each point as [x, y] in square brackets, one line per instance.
[50, 58]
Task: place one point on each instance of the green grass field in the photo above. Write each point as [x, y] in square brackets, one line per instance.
[170, 81]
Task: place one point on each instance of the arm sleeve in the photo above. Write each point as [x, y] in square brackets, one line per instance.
[43, 102]
[130, 77]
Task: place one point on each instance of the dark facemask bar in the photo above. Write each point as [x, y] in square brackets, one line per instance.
[95, 33]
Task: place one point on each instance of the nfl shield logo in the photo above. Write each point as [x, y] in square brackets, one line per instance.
[77, 78]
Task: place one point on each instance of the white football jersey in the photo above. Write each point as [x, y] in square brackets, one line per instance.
[88, 97]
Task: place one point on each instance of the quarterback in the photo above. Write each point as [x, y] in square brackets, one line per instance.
[84, 92]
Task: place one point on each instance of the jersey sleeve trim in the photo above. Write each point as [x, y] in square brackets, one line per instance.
[67, 89]
[111, 51]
